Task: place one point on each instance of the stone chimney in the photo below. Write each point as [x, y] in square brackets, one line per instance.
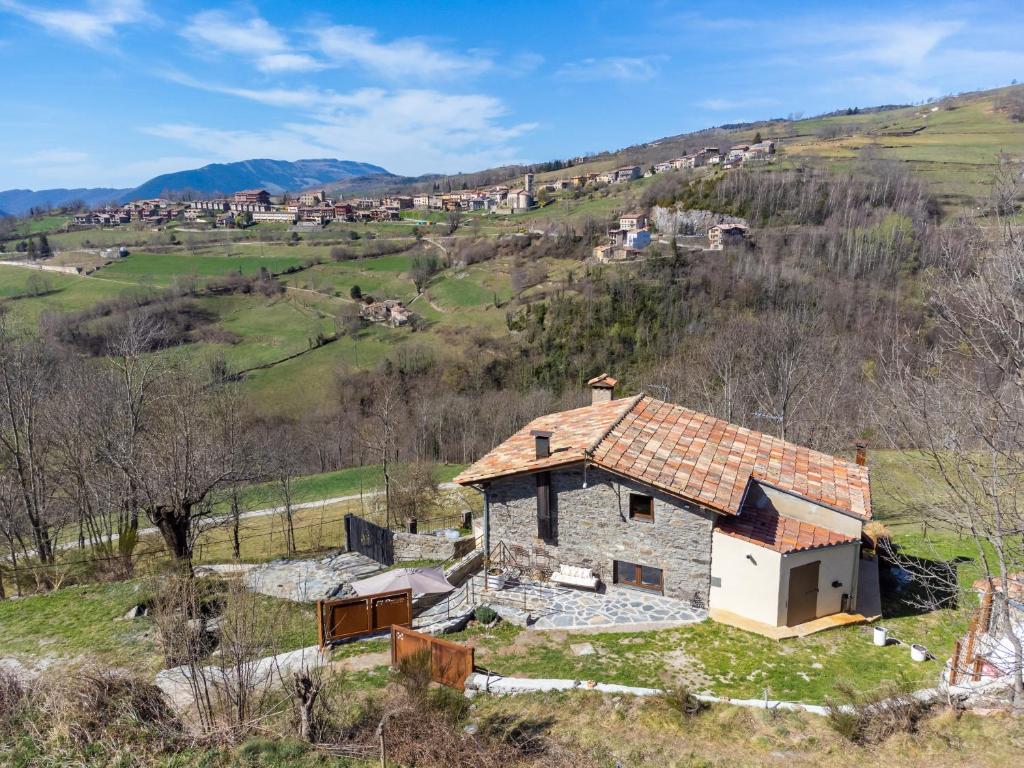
[862, 454]
[602, 388]
[542, 442]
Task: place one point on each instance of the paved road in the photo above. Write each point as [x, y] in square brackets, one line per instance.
[42, 267]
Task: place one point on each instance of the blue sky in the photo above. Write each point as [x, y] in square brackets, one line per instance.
[112, 92]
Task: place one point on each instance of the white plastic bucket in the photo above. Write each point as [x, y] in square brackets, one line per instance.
[881, 636]
[918, 652]
[494, 582]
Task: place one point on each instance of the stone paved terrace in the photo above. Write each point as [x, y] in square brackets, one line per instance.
[301, 580]
[556, 607]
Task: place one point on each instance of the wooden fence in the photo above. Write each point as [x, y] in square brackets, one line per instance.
[358, 616]
[450, 663]
[964, 660]
[370, 539]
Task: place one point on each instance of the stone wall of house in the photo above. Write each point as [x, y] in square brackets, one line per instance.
[422, 546]
[593, 528]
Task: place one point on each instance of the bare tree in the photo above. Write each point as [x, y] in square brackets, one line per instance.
[29, 383]
[379, 432]
[181, 459]
[961, 404]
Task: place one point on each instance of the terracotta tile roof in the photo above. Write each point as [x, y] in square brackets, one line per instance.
[573, 434]
[1016, 580]
[767, 528]
[603, 380]
[682, 452]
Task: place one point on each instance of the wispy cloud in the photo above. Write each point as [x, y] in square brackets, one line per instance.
[399, 58]
[900, 44]
[93, 25]
[621, 68]
[412, 130]
[251, 37]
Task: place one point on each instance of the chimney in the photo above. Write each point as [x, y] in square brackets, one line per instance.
[602, 389]
[542, 441]
[862, 454]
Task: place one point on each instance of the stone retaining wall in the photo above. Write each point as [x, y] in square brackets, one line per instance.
[421, 546]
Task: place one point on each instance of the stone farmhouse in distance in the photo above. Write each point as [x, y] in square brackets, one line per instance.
[649, 495]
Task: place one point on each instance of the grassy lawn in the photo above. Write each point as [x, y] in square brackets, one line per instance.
[293, 387]
[16, 281]
[77, 622]
[269, 328]
[724, 660]
[166, 268]
[68, 294]
[38, 225]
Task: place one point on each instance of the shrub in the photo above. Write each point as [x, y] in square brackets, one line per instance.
[413, 673]
[94, 706]
[684, 701]
[869, 718]
[12, 697]
[485, 614]
[452, 704]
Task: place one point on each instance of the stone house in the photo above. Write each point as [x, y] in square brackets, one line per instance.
[633, 220]
[721, 235]
[653, 496]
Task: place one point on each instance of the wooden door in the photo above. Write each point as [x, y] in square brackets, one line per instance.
[803, 594]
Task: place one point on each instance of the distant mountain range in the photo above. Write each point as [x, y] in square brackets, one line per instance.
[17, 202]
[276, 176]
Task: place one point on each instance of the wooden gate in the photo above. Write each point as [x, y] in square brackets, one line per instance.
[371, 540]
[450, 663]
[356, 616]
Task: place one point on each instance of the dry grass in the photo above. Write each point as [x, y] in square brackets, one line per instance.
[647, 733]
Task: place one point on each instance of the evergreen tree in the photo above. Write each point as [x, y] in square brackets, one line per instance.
[44, 247]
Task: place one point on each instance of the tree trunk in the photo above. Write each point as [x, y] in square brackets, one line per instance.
[176, 527]
[236, 516]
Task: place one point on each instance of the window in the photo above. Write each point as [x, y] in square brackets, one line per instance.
[641, 507]
[636, 575]
[545, 523]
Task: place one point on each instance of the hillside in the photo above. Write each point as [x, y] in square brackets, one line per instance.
[955, 144]
[275, 176]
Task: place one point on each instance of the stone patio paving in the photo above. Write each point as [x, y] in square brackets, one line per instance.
[555, 607]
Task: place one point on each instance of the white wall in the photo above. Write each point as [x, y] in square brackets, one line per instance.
[838, 563]
[749, 588]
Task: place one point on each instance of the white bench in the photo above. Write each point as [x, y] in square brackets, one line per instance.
[575, 576]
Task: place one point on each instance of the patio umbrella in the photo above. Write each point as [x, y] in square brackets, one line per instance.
[422, 581]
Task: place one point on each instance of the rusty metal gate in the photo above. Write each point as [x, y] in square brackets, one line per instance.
[356, 616]
[372, 540]
[450, 663]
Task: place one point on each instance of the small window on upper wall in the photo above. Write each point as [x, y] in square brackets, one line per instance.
[641, 507]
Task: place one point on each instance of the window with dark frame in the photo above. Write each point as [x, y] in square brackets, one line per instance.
[545, 524]
[641, 507]
[639, 576]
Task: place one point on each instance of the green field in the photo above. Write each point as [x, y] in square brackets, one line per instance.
[167, 268]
